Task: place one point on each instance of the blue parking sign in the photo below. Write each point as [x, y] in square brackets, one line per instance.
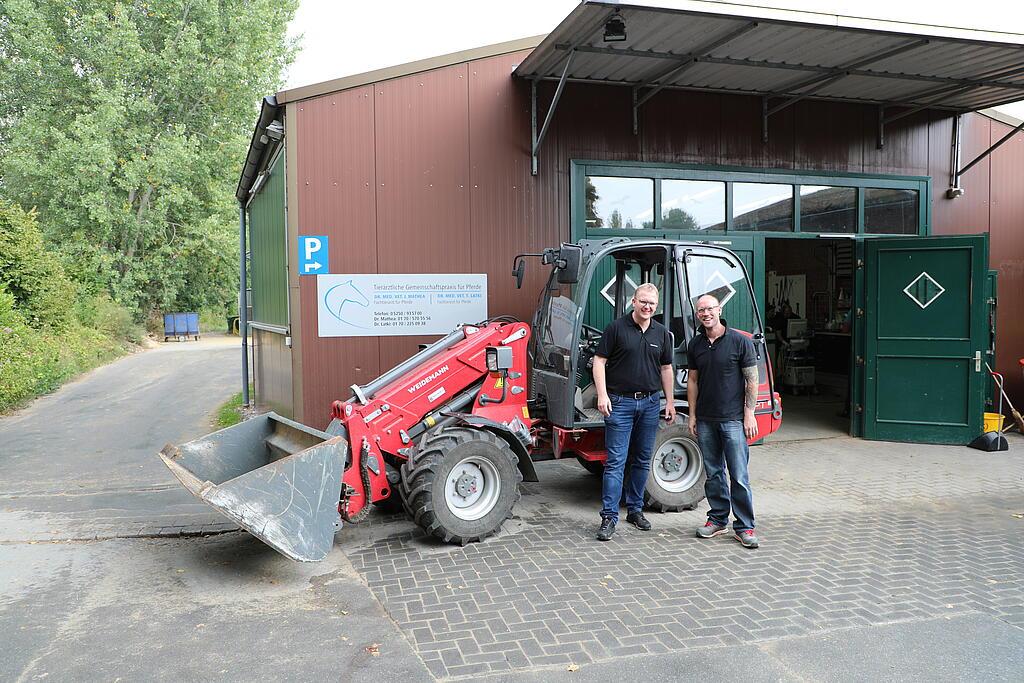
[313, 255]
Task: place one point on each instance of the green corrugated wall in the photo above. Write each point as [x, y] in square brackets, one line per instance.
[268, 266]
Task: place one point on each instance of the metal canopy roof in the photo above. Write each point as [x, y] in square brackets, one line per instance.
[782, 54]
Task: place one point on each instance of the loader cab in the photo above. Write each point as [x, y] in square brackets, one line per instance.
[573, 315]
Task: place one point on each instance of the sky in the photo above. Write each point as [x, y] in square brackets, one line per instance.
[350, 37]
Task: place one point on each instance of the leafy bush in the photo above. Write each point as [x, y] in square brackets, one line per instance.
[48, 333]
[32, 275]
[37, 361]
[105, 315]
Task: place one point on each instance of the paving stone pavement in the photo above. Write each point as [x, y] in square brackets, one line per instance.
[852, 538]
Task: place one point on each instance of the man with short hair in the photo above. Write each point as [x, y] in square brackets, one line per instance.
[721, 392]
[632, 369]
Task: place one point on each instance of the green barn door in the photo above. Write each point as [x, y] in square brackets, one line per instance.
[925, 338]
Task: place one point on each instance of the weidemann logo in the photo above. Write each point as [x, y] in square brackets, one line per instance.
[428, 379]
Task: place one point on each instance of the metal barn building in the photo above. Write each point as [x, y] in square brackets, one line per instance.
[843, 159]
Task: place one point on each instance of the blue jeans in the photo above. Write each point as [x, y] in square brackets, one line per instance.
[628, 433]
[722, 445]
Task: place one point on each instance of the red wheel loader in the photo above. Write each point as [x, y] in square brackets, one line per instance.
[453, 430]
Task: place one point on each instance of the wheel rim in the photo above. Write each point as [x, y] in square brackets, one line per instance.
[472, 488]
[677, 465]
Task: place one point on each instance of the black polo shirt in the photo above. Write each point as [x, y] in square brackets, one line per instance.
[719, 365]
[634, 357]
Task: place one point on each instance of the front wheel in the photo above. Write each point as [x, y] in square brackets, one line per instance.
[676, 480]
[461, 484]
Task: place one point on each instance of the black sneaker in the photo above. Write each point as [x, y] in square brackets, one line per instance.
[710, 529]
[606, 530]
[638, 520]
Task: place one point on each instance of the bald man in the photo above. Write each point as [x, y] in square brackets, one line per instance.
[721, 392]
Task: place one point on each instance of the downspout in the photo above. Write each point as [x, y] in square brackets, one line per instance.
[246, 183]
[243, 303]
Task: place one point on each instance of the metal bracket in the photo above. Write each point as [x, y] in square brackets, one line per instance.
[880, 133]
[764, 119]
[994, 147]
[821, 81]
[539, 138]
[955, 190]
[687, 61]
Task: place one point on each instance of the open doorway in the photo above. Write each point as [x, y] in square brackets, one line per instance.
[808, 314]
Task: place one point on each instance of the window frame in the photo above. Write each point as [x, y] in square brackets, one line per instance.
[581, 168]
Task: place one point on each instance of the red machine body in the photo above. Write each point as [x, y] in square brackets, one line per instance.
[382, 425]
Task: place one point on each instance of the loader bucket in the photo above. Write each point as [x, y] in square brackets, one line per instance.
[277, 479]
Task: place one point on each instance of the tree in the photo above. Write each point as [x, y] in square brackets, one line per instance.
[593, 220]
[615, 220]
[125, 124]
[679, 219]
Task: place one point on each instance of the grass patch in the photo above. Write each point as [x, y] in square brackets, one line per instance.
[230, 412]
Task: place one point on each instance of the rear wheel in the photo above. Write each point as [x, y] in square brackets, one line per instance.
[461, 484]
[676, 481]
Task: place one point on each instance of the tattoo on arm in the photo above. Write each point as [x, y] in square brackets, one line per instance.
[750, 387]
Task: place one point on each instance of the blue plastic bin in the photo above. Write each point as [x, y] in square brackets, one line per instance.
[181, 325]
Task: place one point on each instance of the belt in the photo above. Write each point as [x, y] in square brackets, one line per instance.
[637, 395]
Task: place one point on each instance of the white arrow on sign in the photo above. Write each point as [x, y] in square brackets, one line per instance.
[312, 266]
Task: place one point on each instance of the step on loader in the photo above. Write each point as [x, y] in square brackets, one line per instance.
[453, 430]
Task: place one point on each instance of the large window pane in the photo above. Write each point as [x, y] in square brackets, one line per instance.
[619, 203]
[692, 205]
[828, 209]
[762, 206]
[890, 212]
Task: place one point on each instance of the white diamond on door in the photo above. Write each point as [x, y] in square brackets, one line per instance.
[924, 290]
[718, 286]
[608, 291]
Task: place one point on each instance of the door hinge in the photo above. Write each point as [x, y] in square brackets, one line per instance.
[977, 361]
[860, 263]
[860, 360]
[860, 312]
[859, 408]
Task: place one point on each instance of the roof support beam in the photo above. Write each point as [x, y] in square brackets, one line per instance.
[822, 81]
[691, 59]
[930, 98]
[539, 138]
[664, 77]
[868, 73]
[818, 83]
[984, 154]
[650, 54]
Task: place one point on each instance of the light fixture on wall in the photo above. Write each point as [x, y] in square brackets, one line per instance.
[275, 131]
[615, 29]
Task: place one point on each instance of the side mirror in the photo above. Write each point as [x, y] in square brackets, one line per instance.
[570, 256]
[517, 272]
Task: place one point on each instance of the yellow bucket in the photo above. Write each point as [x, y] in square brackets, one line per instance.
[993, 422]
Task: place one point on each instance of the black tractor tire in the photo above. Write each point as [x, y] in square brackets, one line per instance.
[453, 461]
[593, 466]
[676, 480]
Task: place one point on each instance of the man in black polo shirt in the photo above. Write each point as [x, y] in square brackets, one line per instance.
[721, 391]
[632, 367]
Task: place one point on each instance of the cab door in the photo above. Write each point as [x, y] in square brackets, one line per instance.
[923, 310]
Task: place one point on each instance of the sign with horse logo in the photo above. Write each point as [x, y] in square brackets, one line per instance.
[398, 305]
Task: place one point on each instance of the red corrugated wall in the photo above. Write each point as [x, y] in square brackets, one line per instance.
[1006, 248]
[431, 173]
